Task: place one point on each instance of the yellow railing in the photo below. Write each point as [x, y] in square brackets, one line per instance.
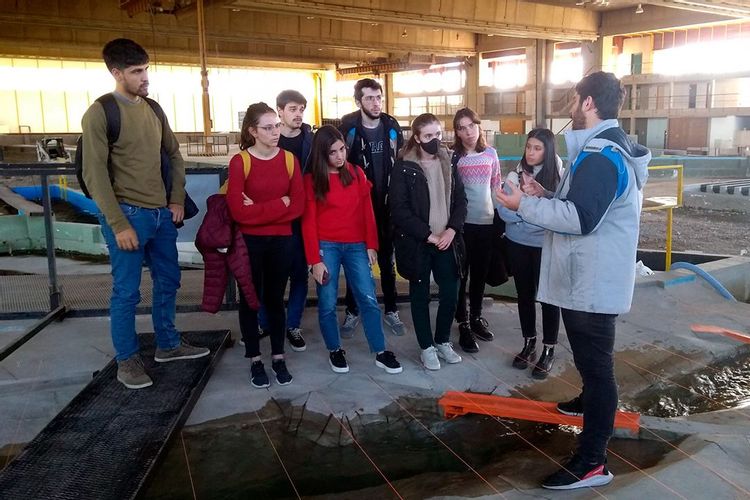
[668, 203]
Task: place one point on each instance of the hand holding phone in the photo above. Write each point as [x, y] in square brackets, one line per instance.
[320, 273]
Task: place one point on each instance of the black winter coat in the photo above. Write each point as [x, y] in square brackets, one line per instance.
[410, 213]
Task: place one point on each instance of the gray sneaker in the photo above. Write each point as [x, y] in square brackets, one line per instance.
[182, 351]
[430, 358]
[132, 374]
[351, 322]
[397, 326]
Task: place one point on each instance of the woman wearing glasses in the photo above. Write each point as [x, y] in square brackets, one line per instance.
[263, 204]
[479, 169]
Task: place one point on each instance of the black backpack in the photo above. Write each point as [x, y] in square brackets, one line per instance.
[112, 114]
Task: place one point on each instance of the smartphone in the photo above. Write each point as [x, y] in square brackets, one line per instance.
[326, 277]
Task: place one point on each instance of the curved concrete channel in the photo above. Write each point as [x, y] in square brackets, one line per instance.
[367, 434]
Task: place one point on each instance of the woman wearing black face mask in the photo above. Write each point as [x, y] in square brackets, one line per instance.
[428, 209]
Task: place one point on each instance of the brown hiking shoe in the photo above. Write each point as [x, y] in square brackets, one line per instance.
[132, 374]
[182, 351]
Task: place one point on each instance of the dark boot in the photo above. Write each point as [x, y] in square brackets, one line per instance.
[480, 328]
[466, 338]
[527, 354]
[544, 365]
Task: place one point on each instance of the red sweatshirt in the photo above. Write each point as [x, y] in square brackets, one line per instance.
[345, 216]
[267, 182]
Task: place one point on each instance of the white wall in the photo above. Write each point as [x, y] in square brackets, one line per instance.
[721, 132]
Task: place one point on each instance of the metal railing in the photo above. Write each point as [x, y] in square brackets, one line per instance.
[668, 203]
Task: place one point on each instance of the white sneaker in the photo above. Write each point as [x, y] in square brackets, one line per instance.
[430, 358]
[446, 352]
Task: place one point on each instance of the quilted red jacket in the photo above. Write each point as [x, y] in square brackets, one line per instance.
[218, 232]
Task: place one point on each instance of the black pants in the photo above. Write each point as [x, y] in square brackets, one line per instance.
[387, 277]
[525, 262]
[442, 265]
[592, 340]
[478, 241]
[270, 260]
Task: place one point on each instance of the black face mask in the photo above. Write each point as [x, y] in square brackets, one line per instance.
[431, 147]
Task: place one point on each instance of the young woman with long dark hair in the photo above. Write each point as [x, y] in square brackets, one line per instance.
[428, 209]
[263, 205]
[479, 169]
[537, 174]
[338, 230]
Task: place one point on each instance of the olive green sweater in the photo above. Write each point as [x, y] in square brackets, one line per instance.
[136, 161]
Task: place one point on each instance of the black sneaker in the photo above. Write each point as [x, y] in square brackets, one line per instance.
[296, 342]
[337, 359]
[574, 407]
[578, 474]
[480, 328]
[466, 338]
[283, 377]
[388, 362]
[258, 376]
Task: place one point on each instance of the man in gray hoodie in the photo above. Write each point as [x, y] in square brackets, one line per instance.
[588, 260]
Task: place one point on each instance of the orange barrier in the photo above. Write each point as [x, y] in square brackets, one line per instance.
[732, 334]
[456, 403]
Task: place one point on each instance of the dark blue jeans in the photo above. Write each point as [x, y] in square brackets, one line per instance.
[592, 340]
[157, 247]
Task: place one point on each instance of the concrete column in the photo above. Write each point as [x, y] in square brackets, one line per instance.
[389, 97]
[540, 83]
[591, 52]
[471, 92]
[633, 106]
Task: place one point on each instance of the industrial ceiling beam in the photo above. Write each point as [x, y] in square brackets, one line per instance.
[723, 8]
[353, 13]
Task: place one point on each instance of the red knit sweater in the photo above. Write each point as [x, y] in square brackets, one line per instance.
[345, 216]
[266, 183]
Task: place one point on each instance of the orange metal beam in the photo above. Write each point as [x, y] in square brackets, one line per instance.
[732, 334]
[456, 403]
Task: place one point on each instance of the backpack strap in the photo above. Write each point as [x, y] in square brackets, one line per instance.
[289, 159]
[112, 116]
[247, 165]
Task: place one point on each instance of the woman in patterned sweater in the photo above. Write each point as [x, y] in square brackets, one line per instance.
[479, 170]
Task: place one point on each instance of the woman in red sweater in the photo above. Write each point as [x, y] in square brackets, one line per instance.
[338, 229]
[263, 205]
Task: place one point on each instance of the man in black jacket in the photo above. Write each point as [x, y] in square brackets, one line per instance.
[373, 139]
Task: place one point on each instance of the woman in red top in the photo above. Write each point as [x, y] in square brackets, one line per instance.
[263, 205]
[338, 229]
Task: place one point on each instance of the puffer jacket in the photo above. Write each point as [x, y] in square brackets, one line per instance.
[410, 213]
[223, 249]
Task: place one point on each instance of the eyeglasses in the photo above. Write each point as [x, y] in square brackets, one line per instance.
[270, 128]
[470, 126]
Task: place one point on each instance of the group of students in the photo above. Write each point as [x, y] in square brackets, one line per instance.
[356, 196]
[571, 237]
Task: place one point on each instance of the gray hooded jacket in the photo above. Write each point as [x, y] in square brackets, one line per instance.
[589, 251]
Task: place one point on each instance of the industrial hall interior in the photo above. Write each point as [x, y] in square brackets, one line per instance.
[369, 249]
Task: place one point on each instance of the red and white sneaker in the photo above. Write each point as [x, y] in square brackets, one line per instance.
[578, 474]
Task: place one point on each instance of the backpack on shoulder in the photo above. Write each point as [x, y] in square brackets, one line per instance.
[112, 114]
[247, 164]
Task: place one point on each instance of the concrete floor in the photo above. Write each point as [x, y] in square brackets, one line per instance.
[654, 342]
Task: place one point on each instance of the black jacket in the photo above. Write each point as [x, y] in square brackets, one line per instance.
[359, 154]
[410, 213]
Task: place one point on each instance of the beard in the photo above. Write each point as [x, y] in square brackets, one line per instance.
[579, 119]
[370, 115]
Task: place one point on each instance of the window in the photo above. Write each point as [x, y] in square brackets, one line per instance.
[504, 69]
[567, 64]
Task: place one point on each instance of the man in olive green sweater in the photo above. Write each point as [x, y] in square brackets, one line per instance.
[138, 219]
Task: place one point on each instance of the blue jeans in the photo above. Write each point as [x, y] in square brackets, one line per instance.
[297, 285]
[353, 257]
[157, 246]
[592, 340]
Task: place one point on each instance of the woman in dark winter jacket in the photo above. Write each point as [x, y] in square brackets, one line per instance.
[428, 209]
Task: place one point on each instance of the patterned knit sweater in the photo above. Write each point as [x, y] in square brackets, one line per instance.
[480, 173]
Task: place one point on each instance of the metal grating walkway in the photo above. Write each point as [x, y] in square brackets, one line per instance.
[108, 439]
